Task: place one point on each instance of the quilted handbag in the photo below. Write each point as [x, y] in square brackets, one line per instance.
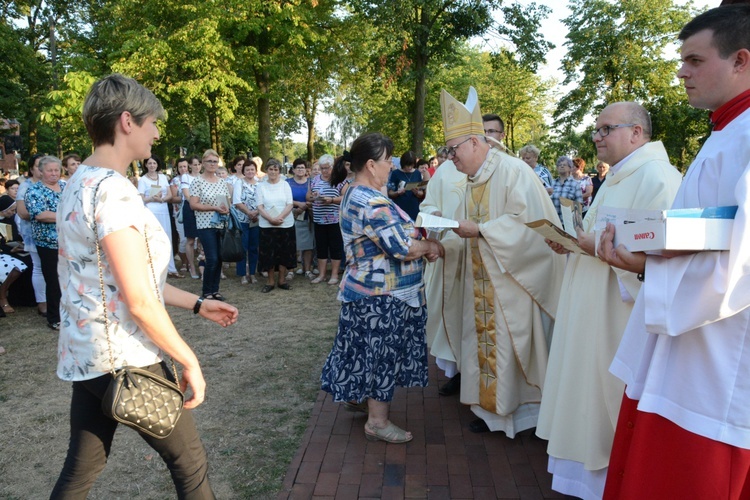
[144, 401]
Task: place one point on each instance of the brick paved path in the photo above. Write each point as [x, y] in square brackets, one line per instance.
[444, 460]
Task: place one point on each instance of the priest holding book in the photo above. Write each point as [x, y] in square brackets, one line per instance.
[511, 277]
[581, 398]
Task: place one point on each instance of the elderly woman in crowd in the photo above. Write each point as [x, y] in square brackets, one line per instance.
[209, 199]
[24, 228]
[245, 200]
[407, 199]
[127, 283]
[530, 155]
[278, 247]
[326, 199]
[303, 227]
[380, 342]
[188, 214]
[565, 186]
[154, 188]
[42, 200]
[601, 174]
[587, 186]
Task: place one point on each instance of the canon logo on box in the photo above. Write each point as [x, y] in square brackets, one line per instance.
[644, 236]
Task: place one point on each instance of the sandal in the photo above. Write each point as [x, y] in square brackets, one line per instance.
[266, 288]
[319, 279]
[218, 296]
[285, 286]
[9, 310]
[390, 434]
[333, 281]
[176, 275]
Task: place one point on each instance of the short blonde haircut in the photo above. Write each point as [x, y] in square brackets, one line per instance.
[109, 98]
[210, 152]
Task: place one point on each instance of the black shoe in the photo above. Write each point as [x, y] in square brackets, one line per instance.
[54, 326]
[218, 296]
[478, 426]
[453, 386]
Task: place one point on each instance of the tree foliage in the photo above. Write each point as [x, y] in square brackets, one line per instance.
[616, 52]
[243, 76]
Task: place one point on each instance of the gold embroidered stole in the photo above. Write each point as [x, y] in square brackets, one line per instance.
[484, 302]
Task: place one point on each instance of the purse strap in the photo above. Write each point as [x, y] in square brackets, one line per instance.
[100, 269]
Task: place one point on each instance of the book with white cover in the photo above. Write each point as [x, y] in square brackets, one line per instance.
[434, 223]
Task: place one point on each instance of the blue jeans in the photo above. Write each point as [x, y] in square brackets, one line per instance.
[210, 239]
[251, 241]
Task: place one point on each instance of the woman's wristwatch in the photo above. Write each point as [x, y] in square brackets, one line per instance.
[197, 306]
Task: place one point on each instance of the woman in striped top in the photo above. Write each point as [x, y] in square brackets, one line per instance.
[326, 202]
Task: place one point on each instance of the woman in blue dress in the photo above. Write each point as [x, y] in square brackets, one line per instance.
[380, 343]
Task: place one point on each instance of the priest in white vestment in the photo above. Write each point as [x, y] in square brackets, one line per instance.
[684, 425]
[511, 277]
[443, 286]
[581, 398]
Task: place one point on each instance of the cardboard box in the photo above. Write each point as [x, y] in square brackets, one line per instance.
[680, 229]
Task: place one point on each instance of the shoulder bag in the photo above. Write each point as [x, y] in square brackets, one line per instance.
[232, 249]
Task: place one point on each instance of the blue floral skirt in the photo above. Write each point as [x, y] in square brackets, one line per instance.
[380, 344]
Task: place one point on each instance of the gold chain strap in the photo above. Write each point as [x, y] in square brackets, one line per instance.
[100, 269]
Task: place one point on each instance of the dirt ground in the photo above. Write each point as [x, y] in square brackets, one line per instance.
[262, 375]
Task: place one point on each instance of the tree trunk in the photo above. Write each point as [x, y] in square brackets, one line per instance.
[213, 126]
[53, 60]
[311, 107]
[420, 94]
[33, 129]
[264, 115]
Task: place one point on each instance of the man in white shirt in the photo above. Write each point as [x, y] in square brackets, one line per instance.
[683, 429]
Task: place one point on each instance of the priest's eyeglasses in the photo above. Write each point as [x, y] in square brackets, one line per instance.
[451, 150]
[606, 129]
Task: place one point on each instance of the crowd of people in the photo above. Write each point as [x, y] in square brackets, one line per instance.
[631, 366]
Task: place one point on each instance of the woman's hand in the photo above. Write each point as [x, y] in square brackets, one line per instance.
[193, 377]
[222, 209]
[219, 312]
[436, 250]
